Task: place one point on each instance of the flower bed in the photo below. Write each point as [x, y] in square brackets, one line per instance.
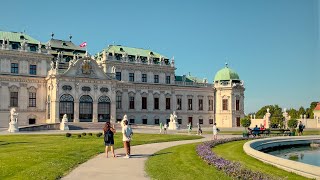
[233, 169]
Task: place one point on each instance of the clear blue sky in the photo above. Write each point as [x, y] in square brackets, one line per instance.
[273, 45]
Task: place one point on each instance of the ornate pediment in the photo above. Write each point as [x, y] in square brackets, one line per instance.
[87, 68]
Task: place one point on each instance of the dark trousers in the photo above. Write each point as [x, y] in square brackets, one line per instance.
[126, 145]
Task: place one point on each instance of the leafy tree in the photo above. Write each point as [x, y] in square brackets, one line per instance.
[275, 110]
[276, 122]
[293, 113]
[245, 122]
[301, 111]
[292, 123]
[310, 110]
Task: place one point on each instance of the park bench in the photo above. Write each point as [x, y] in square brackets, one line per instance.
[278, 132]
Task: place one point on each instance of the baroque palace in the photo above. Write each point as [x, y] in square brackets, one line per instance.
[44, 81]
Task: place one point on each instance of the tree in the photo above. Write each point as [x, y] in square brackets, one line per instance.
[292, 124]
[245, 122]
[301, 111]
[276, 122]
[293, 113]
[310, 110]
[275, 110]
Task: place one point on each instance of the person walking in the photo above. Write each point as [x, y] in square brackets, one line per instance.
[199, 131]
[300, 128]
[215, 131]
[126, 137]
[108, 138]
[161, 127]
[165, 128]
[189, 128]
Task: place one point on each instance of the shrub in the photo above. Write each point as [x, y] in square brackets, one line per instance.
[292, 124]
[99, 134]
[68, 135]
[89, 134]
[245, 122]
[84, 134]
[79, 135]
[276, 122]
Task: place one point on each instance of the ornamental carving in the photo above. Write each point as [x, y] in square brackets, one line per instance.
[86, 67]
[66, 88]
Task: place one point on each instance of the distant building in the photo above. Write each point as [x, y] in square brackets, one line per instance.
[44, 81]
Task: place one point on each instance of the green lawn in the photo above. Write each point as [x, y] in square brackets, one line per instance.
[181, 162]
[234, 151]
[53, 156]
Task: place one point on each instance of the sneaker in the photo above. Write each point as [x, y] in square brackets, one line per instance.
[126, 157]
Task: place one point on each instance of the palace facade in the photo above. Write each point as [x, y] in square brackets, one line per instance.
[44, 81]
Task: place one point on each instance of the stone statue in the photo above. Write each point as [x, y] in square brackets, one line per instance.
[125, 118]
[113, 70]
[52, 65]
[173, 124]
[64, 123]
[13, 124]
[268, 110]
[23, 45]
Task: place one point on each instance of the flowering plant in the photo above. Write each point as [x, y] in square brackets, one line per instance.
[231, 168]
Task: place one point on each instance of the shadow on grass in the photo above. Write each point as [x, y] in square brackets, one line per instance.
[3, 143]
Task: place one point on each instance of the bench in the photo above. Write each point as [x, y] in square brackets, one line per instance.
[265, 132]
[284, 132]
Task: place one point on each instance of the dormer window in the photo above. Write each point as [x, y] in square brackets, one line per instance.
[64, 44]
[121, 49]
[151, 53]
[21, 37]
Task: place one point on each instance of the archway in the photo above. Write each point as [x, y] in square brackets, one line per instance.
[104, 109]
[66, 106]
[85, 108]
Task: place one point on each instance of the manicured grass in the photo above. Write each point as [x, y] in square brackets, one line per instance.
[181, 162]
[234, 151]
[53, 156]
[313, 132]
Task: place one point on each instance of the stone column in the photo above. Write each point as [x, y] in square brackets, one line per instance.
[95, 112]
[76, 112]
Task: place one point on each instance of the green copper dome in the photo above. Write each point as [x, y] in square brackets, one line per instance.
[226, 74]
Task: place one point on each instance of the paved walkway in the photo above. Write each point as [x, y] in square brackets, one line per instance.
[101, 167]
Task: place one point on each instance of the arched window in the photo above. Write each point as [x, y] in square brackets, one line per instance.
[85, 108]
[104, 109]
[66, 106]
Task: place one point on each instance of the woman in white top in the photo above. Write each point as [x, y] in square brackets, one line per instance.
[215, 131]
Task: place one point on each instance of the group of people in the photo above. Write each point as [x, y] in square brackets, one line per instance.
[109, 137]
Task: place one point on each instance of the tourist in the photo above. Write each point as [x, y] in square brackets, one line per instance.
[165, 128]
[126, 137]
[161, 127]
[256, 131]
[199, 131]
[250, 131]
[108, 138]
[215, 131]
[189, 128]
[300, 128]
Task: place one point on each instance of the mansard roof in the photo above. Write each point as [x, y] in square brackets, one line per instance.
[17, 37]
[181, 78]
[132, 51]
[61, 44]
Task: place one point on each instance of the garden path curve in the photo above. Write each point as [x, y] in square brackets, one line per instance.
[101, 167]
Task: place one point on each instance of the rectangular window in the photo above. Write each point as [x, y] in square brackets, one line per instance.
[189, 104]
[179, 121]
[13, 99]
[179, 103]
[156, 121]
[156, 78]
[168, 78]
[210, 105]
[144, 78]
[32, 99]
[200, 121]
[210, 121]
[119, 101]
[200, 104]
[131, 77]
[225, 104]
[144, 121]
[118, 76]
[131, 102]
[237, 104]
[156, 103]
[144, 102]
[33, 48]
[131, 121]
[32, 121]
[168, 102]
[15, 68]
[33, 69]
